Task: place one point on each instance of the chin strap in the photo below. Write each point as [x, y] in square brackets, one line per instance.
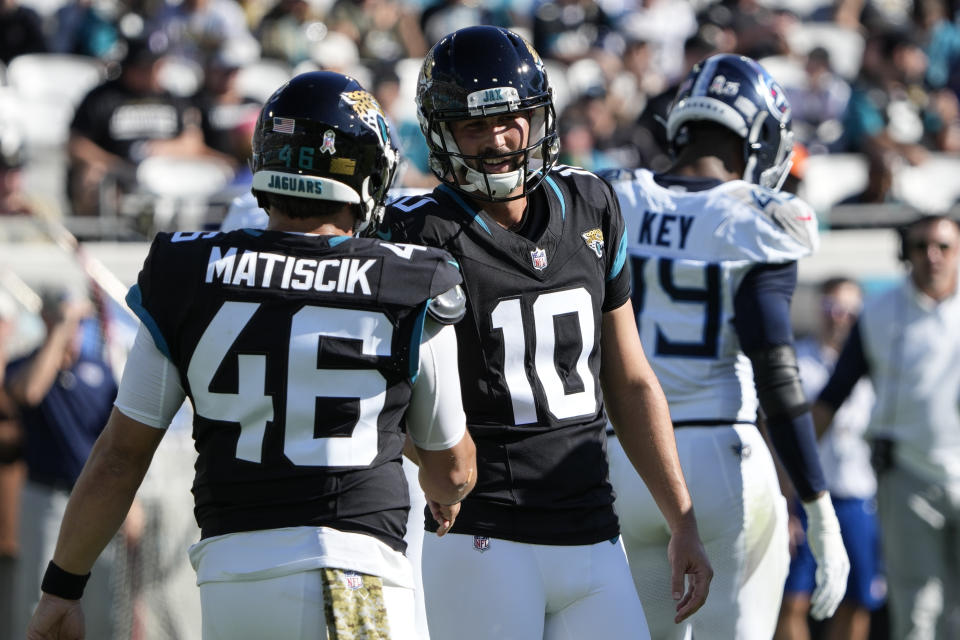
[495, 185]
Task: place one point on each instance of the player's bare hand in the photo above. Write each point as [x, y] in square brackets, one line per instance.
[56, 619]
[444, 514]
[688, 559]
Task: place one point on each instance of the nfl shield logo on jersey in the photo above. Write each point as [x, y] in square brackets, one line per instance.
[539, 258]
[353, 579]
[481, 543]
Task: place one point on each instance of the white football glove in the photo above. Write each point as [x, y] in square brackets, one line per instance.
[823, 536]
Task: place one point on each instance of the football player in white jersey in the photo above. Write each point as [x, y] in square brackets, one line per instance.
[714, 246]
[303, 349]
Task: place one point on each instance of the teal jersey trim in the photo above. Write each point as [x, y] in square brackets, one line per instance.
[556, 190]
[620, 260]
[463, 205]
[135, 302]
[337, 240]
[415, 341]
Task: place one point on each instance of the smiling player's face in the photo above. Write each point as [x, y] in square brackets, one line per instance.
[493, 138]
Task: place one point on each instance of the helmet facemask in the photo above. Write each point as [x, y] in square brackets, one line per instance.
[533, 161]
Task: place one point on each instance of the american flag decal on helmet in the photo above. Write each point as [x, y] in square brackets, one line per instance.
[284, 125]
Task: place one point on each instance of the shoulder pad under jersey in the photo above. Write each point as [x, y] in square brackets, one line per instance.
[791, 230]
[449, 307]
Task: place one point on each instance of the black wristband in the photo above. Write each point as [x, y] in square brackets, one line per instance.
[63, 584]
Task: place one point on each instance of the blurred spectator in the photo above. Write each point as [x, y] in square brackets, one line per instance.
[578, 146]
[655, 150]
[845, 458]
[123, 121]
[195, 28]
[888, 107]
[63, 396]
[879, 189]
[383, 30]
[611, 144]
[21, 31]
[86, 28]
[14, 200]
[942, 44]
[567, 30]
[227, 116]
[637, 80]
[819, 105]
[761, 31]
[907, 340]
[414, 171]
[12, 471]
[446, 16]
[288, 31]
[665, 24]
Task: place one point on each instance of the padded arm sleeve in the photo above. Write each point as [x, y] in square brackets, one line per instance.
[435, 419]
[150, 390]
[762, 320]
[789, 421]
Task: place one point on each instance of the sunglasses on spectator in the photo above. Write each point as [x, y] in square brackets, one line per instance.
[838, 310]
[920, 245]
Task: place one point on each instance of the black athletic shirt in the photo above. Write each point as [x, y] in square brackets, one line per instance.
[298, 353]
[529, 353]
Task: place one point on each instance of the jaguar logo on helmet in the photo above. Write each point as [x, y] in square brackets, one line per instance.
[369, 113]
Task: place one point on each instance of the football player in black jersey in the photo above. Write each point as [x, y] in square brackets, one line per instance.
[303, 348]
[548, 323]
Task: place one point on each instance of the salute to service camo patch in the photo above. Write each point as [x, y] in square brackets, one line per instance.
[354, 606]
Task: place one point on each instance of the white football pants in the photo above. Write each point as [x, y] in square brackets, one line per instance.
[742, 518]
[494, 589]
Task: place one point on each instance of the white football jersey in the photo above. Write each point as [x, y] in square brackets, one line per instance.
[690, 251]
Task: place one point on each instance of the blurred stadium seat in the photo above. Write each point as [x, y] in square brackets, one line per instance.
[789, 72]
[181, 76]
[55, 76]
[828, 179]
[845, 46]
[179, 189]
[931, 187]
[42, 91]
[260, 79]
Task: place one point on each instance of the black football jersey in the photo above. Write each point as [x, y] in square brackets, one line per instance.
[529, 352]
[298, 353]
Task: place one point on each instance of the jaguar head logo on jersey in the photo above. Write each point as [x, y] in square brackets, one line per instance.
[594, 240]
[539, 258]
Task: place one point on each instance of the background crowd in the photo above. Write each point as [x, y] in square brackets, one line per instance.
[119, 118]
[873, 86]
